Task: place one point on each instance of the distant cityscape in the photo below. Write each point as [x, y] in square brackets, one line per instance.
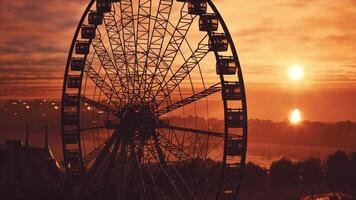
[42, 112]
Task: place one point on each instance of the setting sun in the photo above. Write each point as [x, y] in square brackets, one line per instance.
[295, 116]
[296, 72]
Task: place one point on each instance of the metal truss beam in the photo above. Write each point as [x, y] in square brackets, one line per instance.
[163, 164]
[120, 176]
[143, 39]
[87, 179]
[195, 131]
[128, 37]
[156, 41]
[105, 88]
[138, 174]
[174, 149]
[171, 50]
[113, 33]
[90, 156]
[106, 62]
[183, 71]
[98, 105]
[177, 182]
[211, 90]
[104, 190]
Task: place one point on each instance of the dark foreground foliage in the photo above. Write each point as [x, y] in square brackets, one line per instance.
[308, 177]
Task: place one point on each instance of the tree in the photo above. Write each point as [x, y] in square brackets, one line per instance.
[337, 171]
[254, 177]
[311, 172]
[353, 172]
[284, 173]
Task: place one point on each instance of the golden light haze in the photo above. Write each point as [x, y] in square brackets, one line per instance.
[296, 72]
[295, 116]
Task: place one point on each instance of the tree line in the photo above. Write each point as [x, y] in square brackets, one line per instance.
[337, 173]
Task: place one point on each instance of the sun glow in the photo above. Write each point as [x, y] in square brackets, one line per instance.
[295, 116]
[296, 72]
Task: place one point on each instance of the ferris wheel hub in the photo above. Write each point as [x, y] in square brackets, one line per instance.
[137, 121]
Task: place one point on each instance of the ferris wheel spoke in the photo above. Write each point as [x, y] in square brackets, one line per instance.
[128, 37]
[175, 150]
[120, 176]
[113, 33]
[104, 189]
[87, 179]
[91, 155]
[98, 105]
[105, 88]
[165, 168]
[177, 182]
[211, 90]
[142, 39]
[164, 91]
[194, 131]
[156, 41]
[171, 50]
[153, 180]
[138, 172]
[107, 63]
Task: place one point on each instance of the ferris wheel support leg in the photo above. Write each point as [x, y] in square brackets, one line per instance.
[94, 168]
[174, 178]
[155, 188]
[105, 189]
[138, 173]
[121, 173]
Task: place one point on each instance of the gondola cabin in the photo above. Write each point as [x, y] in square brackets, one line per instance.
[71, 137]
[88, 32]
[73, 81]
[233, 169]
[77, 64]
[225, 65]
[71, 118]
[95, 18]
[232, 91]
[218, 42]
[234, 118]
[82, 47]
[71, 100]
[103, 6]
[234, 147]
[208, 22]
[197, 7]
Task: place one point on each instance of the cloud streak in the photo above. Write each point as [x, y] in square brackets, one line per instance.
[270, 36]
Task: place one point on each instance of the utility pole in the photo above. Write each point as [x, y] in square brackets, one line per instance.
[46, 137]
[27, 135]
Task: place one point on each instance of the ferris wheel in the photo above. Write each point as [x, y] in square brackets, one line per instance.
[153, 103]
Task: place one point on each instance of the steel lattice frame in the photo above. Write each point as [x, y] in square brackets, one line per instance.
[126, 78]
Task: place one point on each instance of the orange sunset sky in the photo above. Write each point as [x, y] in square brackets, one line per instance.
[270, 36]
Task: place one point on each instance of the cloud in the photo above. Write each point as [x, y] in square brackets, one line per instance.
[35, 36]
[270, 36]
